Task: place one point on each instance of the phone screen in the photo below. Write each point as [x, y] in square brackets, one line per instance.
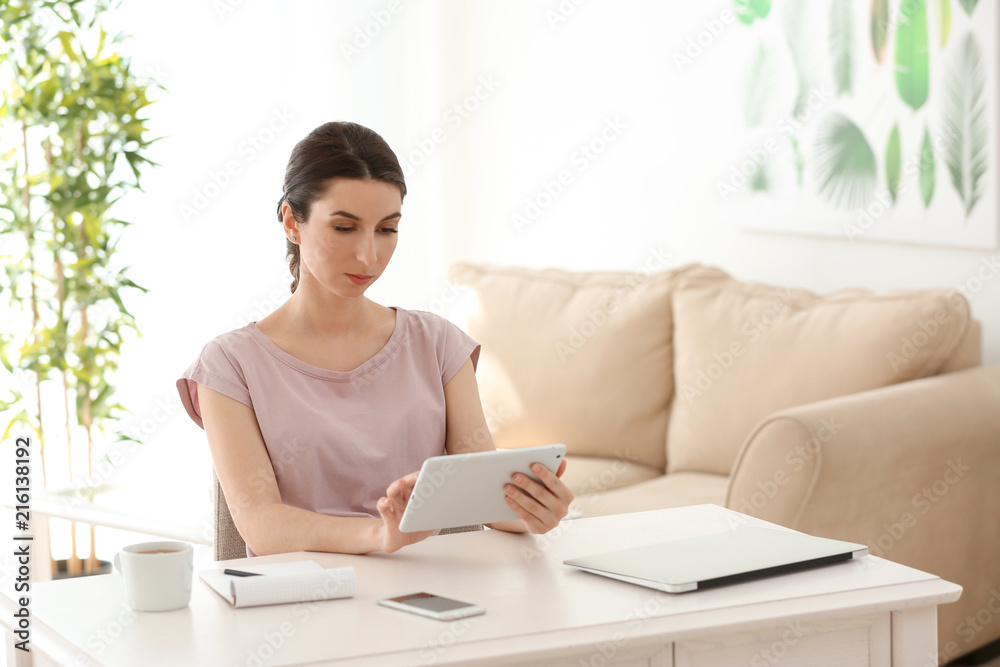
[430, 602]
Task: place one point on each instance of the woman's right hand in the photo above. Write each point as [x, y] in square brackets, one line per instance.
[391, 507]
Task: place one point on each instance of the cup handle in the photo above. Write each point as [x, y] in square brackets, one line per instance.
[118, 563]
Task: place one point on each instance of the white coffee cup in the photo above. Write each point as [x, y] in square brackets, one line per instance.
[157, 575]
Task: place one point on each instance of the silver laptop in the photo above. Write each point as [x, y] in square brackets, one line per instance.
[704, 561]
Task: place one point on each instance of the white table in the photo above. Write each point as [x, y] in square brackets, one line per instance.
[539, 611]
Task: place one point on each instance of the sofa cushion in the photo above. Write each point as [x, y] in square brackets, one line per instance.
[968, 351]
[743, 351]
[581, 358]
[673, 490]
[591, 474]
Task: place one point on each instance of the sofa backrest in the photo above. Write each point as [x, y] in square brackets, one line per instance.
[674, 369]
[969, 350]
[743, 351]
[581, 358]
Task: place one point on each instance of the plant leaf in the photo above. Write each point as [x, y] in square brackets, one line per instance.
[798, 159]
[844, 162]
[912, 65]
[927, 168]
[760, 81]
[796, 25]
[841, 44]
[968, 5]
[944, 20]
[880, 28]
[749, 10]
[760, 182]
[20, 418]
[66, 38]
[965, 122]
[893, 163]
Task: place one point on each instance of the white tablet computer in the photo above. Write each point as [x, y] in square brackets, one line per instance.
[466, 489]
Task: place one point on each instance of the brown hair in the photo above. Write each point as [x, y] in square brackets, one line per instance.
[333, 150]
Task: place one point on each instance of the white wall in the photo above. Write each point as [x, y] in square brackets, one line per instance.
[656, 185]
[276, 70]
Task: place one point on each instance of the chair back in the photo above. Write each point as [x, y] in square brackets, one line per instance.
[227, 543]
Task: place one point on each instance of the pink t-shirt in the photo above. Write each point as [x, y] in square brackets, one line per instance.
[337, 439]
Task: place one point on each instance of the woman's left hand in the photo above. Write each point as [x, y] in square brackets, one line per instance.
[540, 506]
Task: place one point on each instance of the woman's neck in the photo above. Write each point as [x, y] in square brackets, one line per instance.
[316, 312]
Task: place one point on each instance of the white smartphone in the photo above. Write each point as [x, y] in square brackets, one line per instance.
[433, 606]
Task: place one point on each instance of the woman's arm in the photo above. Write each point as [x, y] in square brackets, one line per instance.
[542, 507]
[247, 478]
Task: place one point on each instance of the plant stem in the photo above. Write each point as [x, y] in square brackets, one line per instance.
[85, 416]
[34, 311]
[34, 289]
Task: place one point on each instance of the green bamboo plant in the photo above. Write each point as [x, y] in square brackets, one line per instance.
[73, 144]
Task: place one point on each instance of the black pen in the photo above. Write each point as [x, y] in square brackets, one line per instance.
[241, 573]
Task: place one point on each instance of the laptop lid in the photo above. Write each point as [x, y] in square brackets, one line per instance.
[703, 561]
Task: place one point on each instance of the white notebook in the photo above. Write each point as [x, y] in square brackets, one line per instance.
[281, 583]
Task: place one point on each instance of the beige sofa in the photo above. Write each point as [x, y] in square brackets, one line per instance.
[853, 415]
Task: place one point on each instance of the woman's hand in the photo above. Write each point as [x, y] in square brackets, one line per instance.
[540, 506]
[391, 507]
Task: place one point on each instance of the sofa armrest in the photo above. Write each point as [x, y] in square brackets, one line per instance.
[911, 470]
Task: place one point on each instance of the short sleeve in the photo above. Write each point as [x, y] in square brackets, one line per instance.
[217, 369]
[457, 347]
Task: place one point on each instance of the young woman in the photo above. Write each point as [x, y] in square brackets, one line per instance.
[319, 415]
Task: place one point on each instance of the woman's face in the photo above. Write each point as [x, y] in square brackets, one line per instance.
[350, 235]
